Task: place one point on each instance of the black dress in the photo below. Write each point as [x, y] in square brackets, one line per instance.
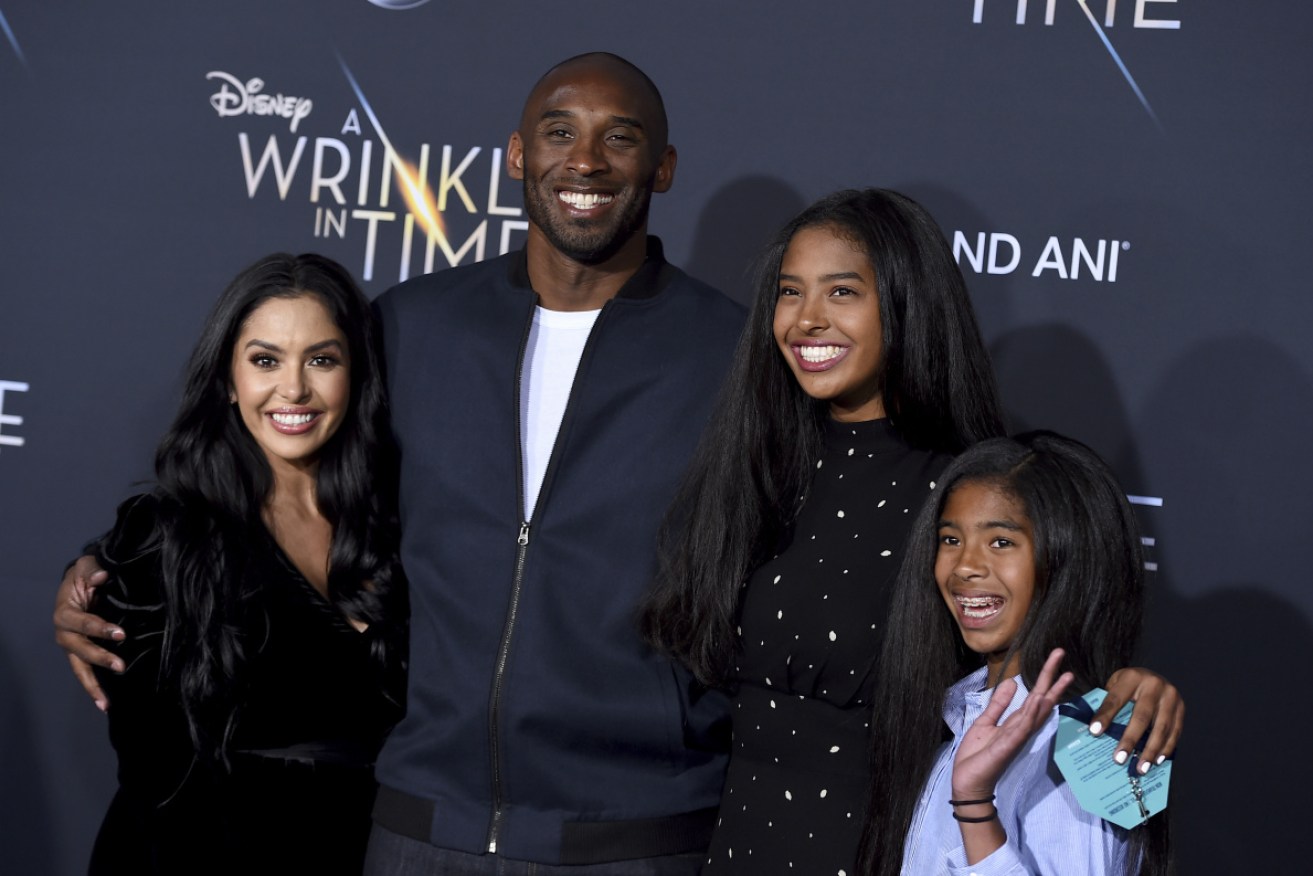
[810, 632]
[312, 710]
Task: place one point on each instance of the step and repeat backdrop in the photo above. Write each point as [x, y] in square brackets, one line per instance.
[1126, 185]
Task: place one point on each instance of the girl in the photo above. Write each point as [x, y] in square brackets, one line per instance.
[1031, 545]
[259, 591]
[860, 372]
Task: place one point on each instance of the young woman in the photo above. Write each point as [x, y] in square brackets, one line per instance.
[259, 591]
[861, 371]
[1031, 546]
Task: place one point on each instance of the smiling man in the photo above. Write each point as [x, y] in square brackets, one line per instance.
[591, 149]
[546, 403]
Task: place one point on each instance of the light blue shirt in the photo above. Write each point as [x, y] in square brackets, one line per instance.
[1048, 832]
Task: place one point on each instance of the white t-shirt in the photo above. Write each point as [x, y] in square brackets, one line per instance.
[556, 343]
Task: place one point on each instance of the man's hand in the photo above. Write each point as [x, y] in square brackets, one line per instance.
[75, 627]
[1156, 700]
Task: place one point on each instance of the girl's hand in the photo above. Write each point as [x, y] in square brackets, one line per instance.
[988, 747]
[1156, 700]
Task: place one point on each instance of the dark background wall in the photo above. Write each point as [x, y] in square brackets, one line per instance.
[1167, 138]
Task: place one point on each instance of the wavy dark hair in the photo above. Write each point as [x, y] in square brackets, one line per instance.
[212, 482]
[1088, 599]
[757, 456]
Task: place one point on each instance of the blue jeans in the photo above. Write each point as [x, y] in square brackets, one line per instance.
[393, 855]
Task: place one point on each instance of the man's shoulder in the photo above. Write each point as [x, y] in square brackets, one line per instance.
[684, 280]
[706, 299]
[430, 287]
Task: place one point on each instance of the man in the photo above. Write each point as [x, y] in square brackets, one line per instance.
[545, 404]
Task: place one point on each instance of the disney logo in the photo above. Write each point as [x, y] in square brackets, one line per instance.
[236, 98]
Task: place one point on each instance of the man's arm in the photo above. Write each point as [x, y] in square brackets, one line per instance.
[76, 627]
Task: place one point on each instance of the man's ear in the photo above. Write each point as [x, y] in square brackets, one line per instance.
[515, 157]
[664, 177]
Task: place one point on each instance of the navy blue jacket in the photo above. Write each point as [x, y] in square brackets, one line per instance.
[538, 724]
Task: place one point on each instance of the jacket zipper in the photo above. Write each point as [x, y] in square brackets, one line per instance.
[522, 550]
[502, 654]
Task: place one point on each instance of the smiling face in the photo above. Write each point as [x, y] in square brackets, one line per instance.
[591, 149]
[985, 568]
[291, 378]
[827, 323]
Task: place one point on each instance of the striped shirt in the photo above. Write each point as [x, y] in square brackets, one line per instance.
[1048, 832]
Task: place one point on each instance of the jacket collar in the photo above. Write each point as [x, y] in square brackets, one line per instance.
[647, 282]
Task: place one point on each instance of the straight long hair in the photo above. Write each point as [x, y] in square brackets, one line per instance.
[1088, 599]
[213, 480]
[756, 458]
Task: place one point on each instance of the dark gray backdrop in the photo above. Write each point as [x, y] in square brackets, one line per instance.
[1177, 136]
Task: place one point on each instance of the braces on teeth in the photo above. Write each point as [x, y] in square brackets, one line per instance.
[979, 606]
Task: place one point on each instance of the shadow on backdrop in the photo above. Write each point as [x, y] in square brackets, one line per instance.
[1218, 624]
[1231, 419]
[736, 223]
[1052, 376]
[991, 294]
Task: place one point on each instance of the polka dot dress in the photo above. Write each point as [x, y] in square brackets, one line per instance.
[810, 633]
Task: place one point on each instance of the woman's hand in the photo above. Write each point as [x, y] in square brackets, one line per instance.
[988, 746]
[75, 627]
[1157, 701]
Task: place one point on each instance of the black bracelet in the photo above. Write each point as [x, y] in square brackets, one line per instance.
[993, 816]
[989, 799]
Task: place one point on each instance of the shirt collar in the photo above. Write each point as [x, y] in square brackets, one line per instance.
[967, 698]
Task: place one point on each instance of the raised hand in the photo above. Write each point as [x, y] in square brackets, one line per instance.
[988, 746]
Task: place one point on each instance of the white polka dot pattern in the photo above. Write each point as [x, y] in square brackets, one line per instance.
[812, 623]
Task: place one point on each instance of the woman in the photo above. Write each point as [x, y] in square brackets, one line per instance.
[1022, 539]
[860, 373]
[258, 587]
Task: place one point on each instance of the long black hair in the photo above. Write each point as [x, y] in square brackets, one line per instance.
[1088, 599]
[212, 482]
[756, 458]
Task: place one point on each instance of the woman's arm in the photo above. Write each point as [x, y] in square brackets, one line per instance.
[1159, 708]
